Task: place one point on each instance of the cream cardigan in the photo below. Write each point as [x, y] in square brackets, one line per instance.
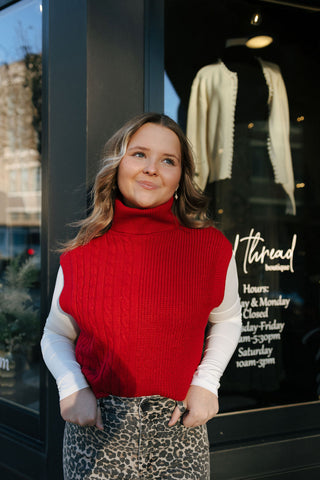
[210, 125]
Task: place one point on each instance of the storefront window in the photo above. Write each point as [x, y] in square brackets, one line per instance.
[252, 116]
[20, 201]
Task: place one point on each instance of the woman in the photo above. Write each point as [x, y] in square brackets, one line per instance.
[134, 293]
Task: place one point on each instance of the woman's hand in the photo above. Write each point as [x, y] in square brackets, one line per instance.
[81, 408]
[200, 404]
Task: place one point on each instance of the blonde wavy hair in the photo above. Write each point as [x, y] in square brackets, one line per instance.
[190, 208]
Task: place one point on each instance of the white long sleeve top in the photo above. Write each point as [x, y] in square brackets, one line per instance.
[61, 332]
[211, 121]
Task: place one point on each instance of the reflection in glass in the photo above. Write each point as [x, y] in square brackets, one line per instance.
[20, 201]
[240, 112]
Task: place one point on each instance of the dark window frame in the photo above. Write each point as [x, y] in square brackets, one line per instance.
[257, 425]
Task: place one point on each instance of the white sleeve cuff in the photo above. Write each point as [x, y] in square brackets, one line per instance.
[71, 383]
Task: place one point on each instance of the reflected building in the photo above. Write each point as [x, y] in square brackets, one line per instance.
[20, 181]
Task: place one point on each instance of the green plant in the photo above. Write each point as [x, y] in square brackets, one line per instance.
[19, 319]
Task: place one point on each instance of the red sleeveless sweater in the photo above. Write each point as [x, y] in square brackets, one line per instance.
[141, 295]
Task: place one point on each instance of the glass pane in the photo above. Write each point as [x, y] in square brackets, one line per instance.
[20, 201]
[252, 117]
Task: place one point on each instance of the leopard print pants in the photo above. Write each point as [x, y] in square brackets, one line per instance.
[136, 444]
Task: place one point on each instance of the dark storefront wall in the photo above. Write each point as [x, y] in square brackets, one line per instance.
[103, 62]
[268, 426]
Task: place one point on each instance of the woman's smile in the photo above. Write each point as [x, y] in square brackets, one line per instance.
[147, 185]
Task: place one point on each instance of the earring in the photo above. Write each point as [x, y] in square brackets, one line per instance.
[176, 196]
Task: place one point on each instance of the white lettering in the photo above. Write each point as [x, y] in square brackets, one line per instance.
[262, 362]
[246, 363]
[245, 339]
[274, 302]
[250, 352]
[253, 255]
[247, 288]
[276, 268]
[4, 364]
[249, 313]
[272, 325]
[248, 327]
[245, 304]
[266, 337]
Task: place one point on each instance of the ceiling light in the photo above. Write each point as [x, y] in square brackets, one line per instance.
[259, 41]
[256, 19]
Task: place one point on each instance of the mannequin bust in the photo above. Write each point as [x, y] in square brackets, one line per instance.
[253, 92]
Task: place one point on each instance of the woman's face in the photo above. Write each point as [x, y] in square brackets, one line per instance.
[150, 171]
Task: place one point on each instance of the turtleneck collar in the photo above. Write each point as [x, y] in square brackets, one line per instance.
[142, 221]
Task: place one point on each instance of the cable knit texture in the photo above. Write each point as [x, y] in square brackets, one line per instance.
[141, 295]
